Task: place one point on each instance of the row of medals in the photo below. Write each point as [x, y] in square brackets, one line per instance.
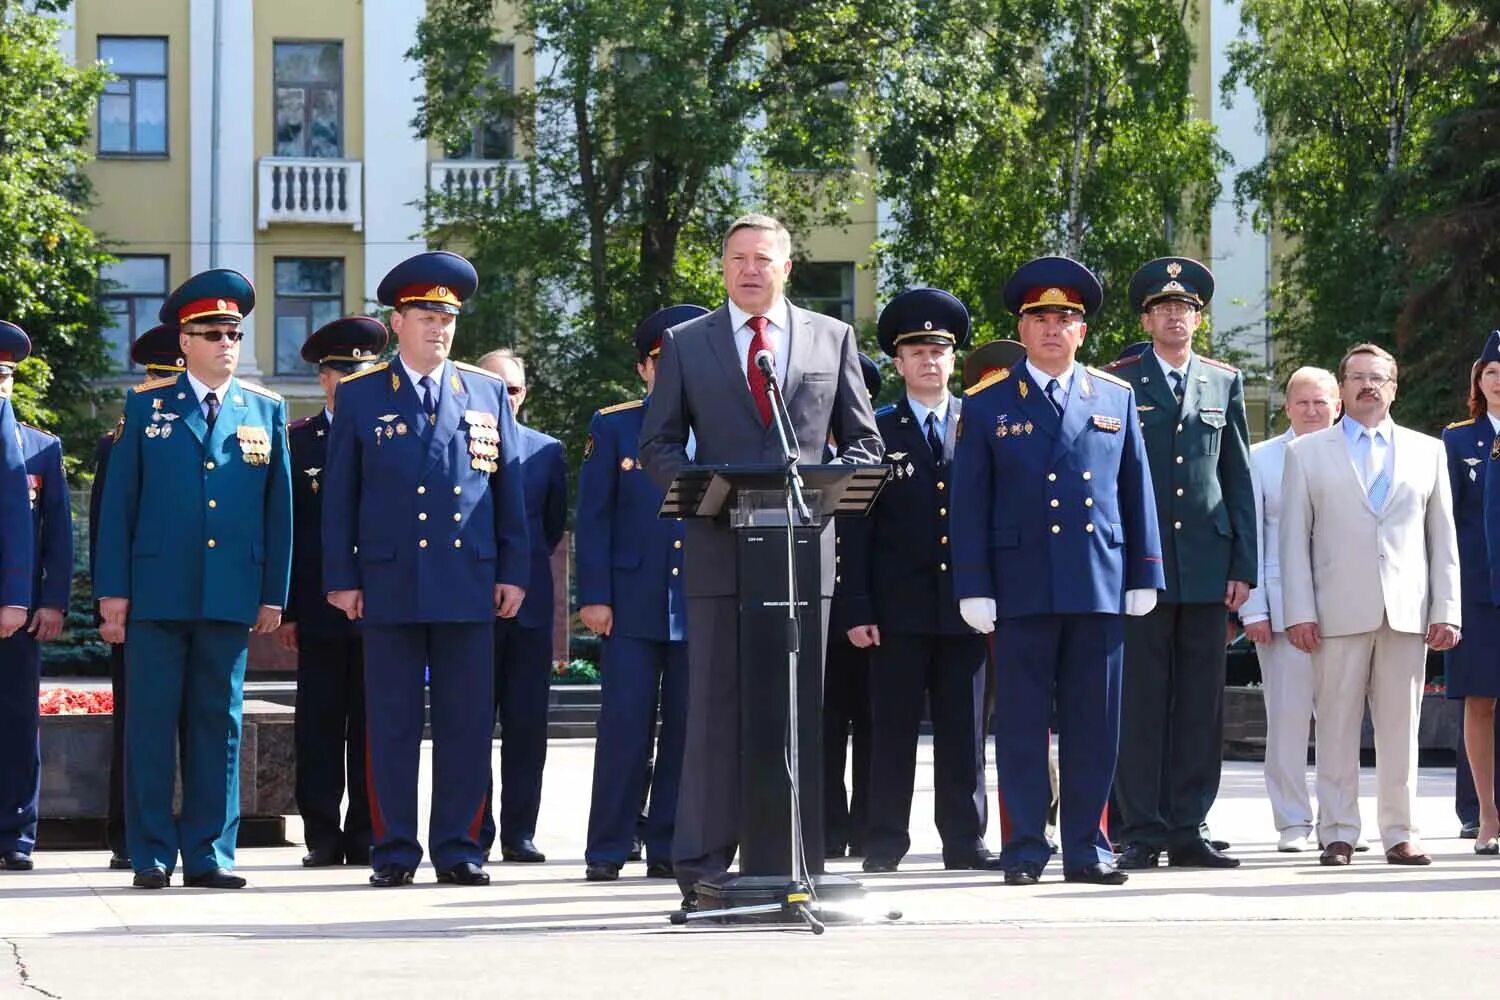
[161, 421]
[484, 440]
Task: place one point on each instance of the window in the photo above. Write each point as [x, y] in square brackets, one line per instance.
[824, 286]
[135, 288]
[133, 108]
[494, 139]
[309, 293]
[309, 82]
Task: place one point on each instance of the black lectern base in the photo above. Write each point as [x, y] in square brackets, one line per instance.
[775, 899]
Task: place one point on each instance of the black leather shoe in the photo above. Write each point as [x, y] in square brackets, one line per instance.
[321, 857]
[524, 852]
[660, 869]
[1200, 854]
[389, 876]
[119, 863]
[219, 878]
[1469, 831]
[154, 877]
[1219, 845]
[977, 862]
[602, 872]
[637, 850]
[690, 902]
[15, 861]
[1025, 873]
[1097, 873]
[1138, 858]
[875, 865]
[464, 873]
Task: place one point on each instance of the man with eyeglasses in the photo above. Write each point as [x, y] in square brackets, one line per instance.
[425, 540]
[523, 644]
[194, 554]
[1192, 415]
[1369, 581]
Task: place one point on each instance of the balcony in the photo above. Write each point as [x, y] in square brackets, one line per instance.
[317, 191]
[474, 181]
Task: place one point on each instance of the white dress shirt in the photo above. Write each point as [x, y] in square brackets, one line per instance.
[778, 332]
[1064, 382]
[416, 380]
[202, 389]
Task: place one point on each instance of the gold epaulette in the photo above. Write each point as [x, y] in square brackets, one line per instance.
[1106, 376]
[1134, 359]
[1459, 423]
[368, 371]
[1218, 364]
[261, 390]
[628, 405]
[477, 370]
[993, 378]
[152, 384]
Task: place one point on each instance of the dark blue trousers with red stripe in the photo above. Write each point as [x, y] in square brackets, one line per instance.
[458, 656]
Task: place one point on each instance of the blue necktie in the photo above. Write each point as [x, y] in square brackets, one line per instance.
[1380, 483]
[933, 441]
[429, 397]
[1054, 389]
[1177, 385]
[211, 403]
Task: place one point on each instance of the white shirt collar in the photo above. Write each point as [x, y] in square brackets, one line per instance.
[416, 376]
[778, 315]
[1167, 369]
[1064, 381]
[1494, 422]
[201, 388]
[920, 410]
[328, 415]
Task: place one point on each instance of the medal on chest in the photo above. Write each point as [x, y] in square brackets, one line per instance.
[255, 444]
[483, 432]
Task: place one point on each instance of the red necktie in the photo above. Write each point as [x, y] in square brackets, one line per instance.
[757, 378]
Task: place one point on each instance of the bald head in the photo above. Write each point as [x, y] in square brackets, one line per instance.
[1312, 400]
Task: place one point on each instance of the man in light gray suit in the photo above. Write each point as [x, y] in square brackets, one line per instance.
[708, 386]
[1312, 404]
[1369, 575]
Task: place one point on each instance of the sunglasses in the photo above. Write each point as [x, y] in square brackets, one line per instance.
[515, 390]
[214, 336]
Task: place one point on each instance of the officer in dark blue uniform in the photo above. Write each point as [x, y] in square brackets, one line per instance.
[425, 540]
[846, 711]
[896, 588]
[21, 653]
[523, 644]
[630, 594]
[195, 546]
[1054, 540]
[157, 352]
[330, 721]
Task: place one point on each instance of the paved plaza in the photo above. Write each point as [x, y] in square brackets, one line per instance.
[1278, 926]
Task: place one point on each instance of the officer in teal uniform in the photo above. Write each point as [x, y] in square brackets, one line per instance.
[157, 352]
[21, 653]
[195, 547]
[1054, 541]
[425, 540]
[330, 720]
[1192, 414]
[630, 594]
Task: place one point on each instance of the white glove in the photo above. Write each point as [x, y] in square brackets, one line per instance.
[979, 612]
[1140, 602]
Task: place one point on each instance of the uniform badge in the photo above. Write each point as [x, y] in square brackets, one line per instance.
[1174, 269]
[588, 447]
[395, 381]
[400, 428]
[1104, 423]
[1024, 389]
[896, 458]
[627, 463]
[153, 430]
[166, 430]
[156, 403]
[484, 440]
[312, 474]
[455, 383]
[321, 432]
[255, 444]
[1002, 430]
[1144, 407]
[1495, 450]
[1030, 426]
[1473, 475]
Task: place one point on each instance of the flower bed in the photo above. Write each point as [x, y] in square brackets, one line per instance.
[71, 701]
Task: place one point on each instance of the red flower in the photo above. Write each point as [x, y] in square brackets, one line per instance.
[71, 701]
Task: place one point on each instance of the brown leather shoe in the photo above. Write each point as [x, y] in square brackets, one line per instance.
[1405, 854]
[1337, 854]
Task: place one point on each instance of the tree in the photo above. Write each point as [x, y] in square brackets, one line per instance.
[1350, 94]
[1023, 127]
[649, 127]
[50, 261]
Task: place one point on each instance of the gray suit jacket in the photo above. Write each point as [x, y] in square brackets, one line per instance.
[701, 387]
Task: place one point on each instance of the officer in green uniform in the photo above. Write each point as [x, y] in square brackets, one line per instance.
[1192, 413]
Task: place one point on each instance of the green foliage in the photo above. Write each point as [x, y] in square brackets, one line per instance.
[49, 260]
[1023, 127]
[650, 126]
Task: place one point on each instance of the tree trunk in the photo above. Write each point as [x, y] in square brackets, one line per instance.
[593, 195]
[1074, 221]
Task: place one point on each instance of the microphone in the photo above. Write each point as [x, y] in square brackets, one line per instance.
[766, 362]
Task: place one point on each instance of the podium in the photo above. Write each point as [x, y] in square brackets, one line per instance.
[752, 500]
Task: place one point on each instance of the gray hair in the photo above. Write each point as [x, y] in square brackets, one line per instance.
[506, 354]
[764, 223]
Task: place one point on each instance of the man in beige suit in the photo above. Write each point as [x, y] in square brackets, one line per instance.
[1312, 405]
[1369, 575]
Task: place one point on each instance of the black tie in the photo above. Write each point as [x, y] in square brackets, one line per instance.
[211, 401]
[429, 397]
[1054, 387]
[1177, 385]
[933, 441]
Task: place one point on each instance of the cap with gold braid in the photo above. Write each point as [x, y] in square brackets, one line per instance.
[986, 359]
[1171, 279]
[216, 296]
[1053, 284]
[158, 351]
[15, 347]
[648, 335]
[923, 316]
[348, 345]
[439, 280]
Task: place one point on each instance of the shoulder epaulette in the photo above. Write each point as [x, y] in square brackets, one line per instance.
[368, 371]
[261, 390]
[1118, 363]
[1459, 423]
[993, 378]
[1218, 364]
[39, 430]
[477, 370]
[299, 423]
[886, 410]
[630, 404]
[152, 384]
[1106, 376]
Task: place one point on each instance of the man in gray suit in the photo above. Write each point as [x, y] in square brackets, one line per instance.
[708, 386]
